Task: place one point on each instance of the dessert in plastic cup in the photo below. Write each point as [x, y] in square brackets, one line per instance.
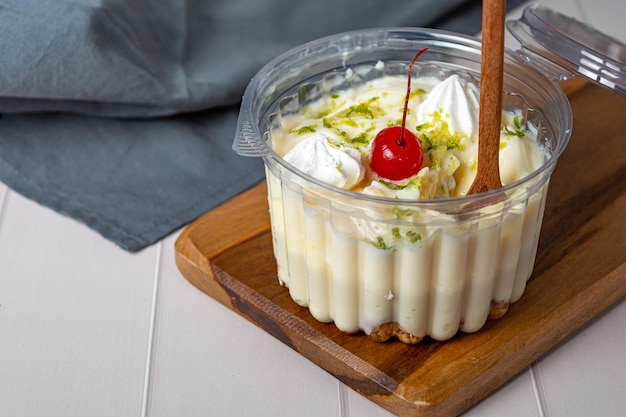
[389, 255]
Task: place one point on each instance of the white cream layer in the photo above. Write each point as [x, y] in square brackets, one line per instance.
[360, 266]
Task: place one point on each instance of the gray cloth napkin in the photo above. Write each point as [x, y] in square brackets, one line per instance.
[121, 113]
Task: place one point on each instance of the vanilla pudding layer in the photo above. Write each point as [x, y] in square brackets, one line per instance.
[447, 280]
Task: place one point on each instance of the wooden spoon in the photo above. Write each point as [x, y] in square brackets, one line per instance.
[491, 84]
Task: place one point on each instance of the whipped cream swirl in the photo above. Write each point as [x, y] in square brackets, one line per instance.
[332, 163]
[456, 101]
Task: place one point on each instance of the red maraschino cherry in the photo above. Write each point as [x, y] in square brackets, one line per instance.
[396, 152]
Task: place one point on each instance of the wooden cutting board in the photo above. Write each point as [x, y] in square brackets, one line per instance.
[580, 271]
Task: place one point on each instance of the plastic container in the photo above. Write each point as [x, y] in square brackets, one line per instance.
[442, 265]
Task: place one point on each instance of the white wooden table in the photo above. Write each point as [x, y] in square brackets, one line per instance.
[87, 329]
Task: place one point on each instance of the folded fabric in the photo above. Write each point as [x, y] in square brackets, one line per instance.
[133, 181]
[121, 113]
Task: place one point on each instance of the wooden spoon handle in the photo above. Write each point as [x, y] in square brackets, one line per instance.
[491, 83]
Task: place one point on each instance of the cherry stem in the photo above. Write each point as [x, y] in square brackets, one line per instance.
[401, 141]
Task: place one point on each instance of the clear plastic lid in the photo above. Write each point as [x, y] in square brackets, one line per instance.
[549, 37]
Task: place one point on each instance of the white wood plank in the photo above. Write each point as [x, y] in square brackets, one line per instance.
[74, 317]
[358, 405]
[516, 398]
[3, 189]
[210, 361]
[586, 375]
[3, 192]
